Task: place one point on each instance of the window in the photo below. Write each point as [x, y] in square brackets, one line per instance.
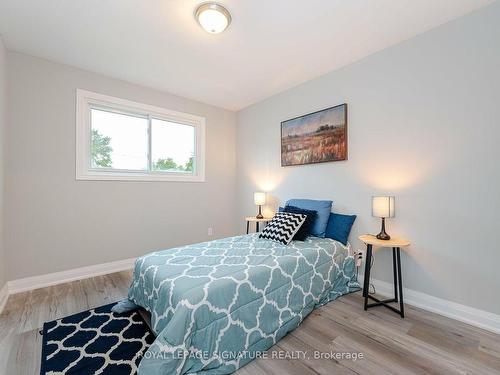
[118, 139]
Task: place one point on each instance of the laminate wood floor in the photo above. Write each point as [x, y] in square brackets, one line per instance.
[422, 343]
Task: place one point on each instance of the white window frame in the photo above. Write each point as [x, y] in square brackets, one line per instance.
[85, 100]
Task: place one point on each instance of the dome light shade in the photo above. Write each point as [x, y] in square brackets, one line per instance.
[213, 17]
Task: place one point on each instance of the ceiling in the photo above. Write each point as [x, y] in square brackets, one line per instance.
[270, 46]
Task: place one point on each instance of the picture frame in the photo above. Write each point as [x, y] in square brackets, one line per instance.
[317, 137]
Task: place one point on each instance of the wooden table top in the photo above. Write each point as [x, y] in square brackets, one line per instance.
[254, 219]
[370, 239]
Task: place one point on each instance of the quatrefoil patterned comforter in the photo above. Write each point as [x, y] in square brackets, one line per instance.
[214, 305]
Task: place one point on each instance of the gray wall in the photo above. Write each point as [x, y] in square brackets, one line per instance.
[423, 125]
[56, 223]
[3, 100]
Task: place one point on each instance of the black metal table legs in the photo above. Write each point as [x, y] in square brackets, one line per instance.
[366, 280]
[398, 282]
[397, 250]
[257, 226]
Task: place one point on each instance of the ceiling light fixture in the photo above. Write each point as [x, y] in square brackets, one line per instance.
[213, 17]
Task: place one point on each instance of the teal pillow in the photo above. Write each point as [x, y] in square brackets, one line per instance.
[339, 226]
[323, 208]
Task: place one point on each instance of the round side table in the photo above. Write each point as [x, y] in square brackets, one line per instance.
[253, 219]
[396, 243]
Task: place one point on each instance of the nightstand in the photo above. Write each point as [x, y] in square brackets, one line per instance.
[253, 219]
[396, 244]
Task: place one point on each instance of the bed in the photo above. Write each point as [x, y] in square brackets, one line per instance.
[215, 305]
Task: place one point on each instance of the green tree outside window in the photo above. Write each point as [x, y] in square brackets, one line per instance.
[101, 150]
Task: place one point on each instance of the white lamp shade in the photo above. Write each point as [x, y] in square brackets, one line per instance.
[259, 199]
[383, 206]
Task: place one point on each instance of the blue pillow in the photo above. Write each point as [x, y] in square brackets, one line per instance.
[323, 208]
[305, 229]
[339, 226]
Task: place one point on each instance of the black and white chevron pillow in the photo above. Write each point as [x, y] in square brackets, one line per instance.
[283, 227]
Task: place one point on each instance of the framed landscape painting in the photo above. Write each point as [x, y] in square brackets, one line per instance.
[317, 137]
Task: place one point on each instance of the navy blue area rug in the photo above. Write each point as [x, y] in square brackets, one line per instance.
[96, 341]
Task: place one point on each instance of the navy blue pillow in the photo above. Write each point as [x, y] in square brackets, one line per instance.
[339, 226]
[305, 229]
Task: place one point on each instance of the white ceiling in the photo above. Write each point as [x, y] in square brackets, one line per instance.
[270, 46]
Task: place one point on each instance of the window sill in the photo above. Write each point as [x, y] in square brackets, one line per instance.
[139, 177]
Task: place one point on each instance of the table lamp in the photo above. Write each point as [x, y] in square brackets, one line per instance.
[383, 207]
[259, 200]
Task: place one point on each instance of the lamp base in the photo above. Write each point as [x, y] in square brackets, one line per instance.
[259, 215]
[383, 235]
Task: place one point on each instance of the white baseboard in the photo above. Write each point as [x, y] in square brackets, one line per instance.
[42, 281]
[4, 295]
[470, 315]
